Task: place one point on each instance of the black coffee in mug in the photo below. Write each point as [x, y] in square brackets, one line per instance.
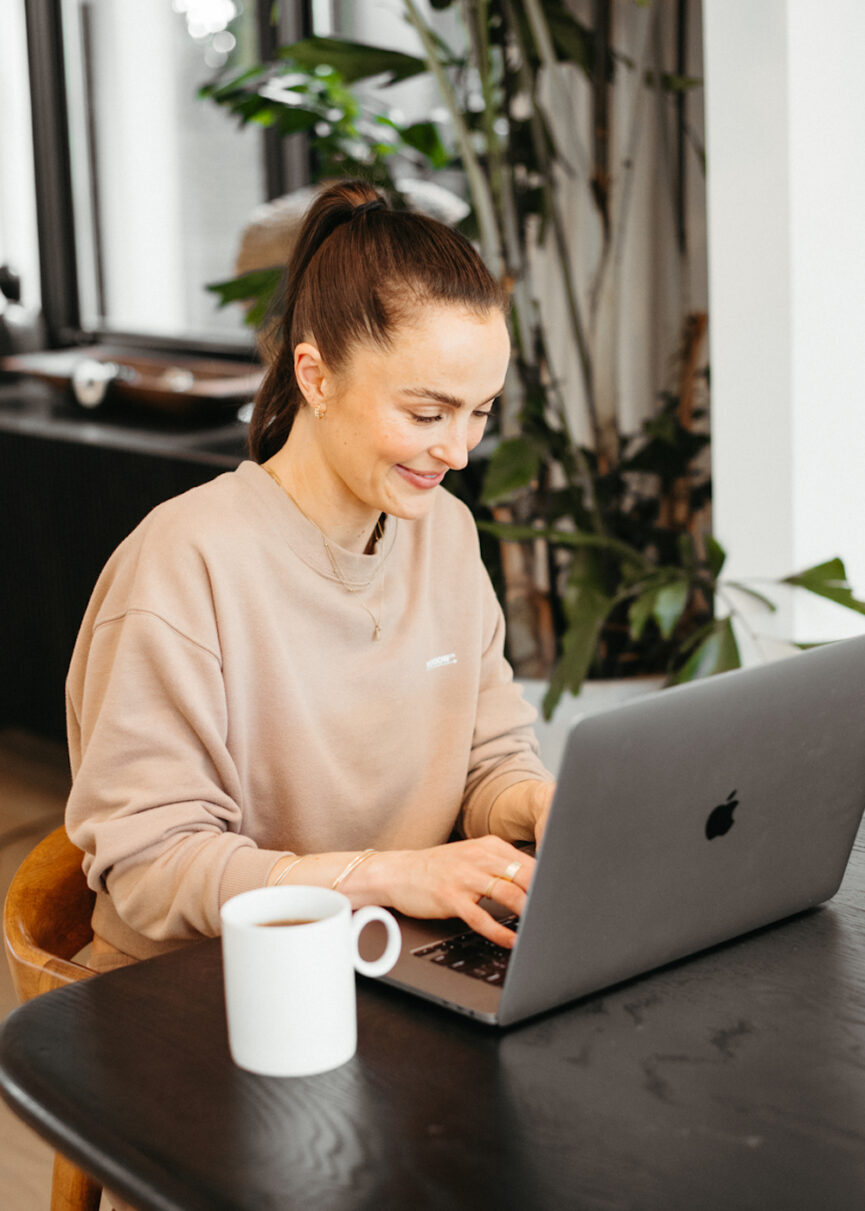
[290, 921]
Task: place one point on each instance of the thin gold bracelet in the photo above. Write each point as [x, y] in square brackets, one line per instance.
[286, 869]
[353, 864]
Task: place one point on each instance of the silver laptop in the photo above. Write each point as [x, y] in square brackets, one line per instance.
[680, 821]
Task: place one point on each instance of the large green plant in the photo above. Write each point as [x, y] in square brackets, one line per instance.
[629, 574]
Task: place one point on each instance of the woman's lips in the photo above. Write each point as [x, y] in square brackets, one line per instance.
[421, 479]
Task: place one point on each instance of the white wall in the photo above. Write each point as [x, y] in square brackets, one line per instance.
[18, 236]
[785, 132]
[138, 154]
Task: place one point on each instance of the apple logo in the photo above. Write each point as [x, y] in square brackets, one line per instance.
[721, 819]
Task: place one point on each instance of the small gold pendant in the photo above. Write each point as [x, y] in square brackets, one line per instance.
[377, 634]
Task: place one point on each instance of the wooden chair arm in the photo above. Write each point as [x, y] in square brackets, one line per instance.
[46, 917]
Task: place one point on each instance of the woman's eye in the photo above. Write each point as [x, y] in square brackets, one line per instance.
[482, 414]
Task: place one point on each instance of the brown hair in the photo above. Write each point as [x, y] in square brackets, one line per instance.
[358, 270]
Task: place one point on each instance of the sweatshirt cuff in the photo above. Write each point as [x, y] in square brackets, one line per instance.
[248, 867]
[476, 814]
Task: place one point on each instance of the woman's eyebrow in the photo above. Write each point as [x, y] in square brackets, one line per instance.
[442, 397]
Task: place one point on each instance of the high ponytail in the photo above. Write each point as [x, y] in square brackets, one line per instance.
[358, 269]
[279, 396]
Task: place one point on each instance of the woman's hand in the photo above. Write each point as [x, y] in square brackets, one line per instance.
[450, 881]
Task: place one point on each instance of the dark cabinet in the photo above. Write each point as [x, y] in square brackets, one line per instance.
[71, 488]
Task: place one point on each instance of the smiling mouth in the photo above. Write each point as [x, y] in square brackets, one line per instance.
[421, 479]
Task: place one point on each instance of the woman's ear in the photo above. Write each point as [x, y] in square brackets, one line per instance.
[311, 374]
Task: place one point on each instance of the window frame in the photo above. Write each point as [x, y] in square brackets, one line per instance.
[285, 161]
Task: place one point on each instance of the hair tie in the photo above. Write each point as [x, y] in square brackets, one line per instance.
[365, 207]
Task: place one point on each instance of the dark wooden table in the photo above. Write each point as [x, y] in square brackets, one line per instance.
[734, 1080]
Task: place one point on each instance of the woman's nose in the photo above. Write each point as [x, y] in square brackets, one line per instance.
[452, 448]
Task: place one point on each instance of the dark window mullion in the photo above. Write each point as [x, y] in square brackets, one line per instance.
[268, 41]
[54, 205]
[286, 159]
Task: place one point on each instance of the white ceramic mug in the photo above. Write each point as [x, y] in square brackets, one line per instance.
[289, 988]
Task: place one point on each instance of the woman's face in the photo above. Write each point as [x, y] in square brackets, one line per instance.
[398, 419]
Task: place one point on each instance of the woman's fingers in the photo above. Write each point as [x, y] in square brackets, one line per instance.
[505, 861]
[452, 881]
[510, 894]
[488, 927]
[507, 888]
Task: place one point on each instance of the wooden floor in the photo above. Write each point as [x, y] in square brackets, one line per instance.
[34, 781]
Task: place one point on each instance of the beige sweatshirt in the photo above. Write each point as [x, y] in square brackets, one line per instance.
[227, 703]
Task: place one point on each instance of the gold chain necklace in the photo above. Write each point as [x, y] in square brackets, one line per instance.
[337, 571]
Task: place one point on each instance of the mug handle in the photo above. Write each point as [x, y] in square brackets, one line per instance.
[380, 966]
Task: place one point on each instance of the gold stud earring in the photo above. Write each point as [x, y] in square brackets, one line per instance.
[319, 411]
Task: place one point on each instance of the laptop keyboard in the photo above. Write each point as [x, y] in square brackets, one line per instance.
[471, 954]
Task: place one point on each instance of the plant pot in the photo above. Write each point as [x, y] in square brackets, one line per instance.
[594, 696]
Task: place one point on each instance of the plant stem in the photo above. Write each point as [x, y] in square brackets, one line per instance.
[681, 126]
[475, 17]
[601, 176]
[542, 36]
[579, 470]
[612, 252]
[491, 243]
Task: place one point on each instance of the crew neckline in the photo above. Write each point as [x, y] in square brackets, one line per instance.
[305, 538]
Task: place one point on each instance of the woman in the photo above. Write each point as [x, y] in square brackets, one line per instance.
[295, 673]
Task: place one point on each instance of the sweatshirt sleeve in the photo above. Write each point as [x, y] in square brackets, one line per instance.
[504, 746]
[155, 802]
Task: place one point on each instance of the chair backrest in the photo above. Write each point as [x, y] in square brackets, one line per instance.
[46, 918]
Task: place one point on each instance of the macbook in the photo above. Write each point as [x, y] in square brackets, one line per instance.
[684, 819]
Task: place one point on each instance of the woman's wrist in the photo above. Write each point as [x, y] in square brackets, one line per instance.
[282, 868]
[351, 866]
[374, 880]
[365, 876]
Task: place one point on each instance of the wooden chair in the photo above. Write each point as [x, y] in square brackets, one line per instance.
[46, 920]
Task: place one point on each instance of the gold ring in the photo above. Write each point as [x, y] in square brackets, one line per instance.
[490, 886]
[510, 873]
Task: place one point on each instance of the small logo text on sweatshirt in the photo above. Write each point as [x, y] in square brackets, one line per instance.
[438, 661]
